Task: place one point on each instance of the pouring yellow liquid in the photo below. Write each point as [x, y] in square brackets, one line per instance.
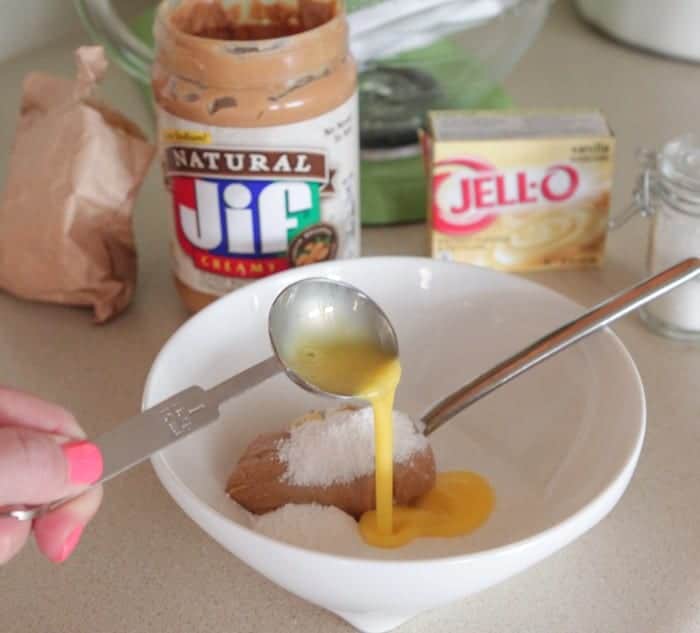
[459, 502]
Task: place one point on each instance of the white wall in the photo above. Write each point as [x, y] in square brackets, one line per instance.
[26, 24]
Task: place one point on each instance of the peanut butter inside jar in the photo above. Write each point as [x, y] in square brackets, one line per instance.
[257, 125]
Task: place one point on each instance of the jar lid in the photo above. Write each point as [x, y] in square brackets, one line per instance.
[679, 162]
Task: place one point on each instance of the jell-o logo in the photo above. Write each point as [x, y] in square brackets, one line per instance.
[471, 192]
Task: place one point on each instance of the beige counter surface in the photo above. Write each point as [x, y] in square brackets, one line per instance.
[143, 566]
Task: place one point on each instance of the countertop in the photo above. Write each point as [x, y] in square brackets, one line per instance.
[143, 566]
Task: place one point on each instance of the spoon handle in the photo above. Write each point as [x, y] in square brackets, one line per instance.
[136, 439]
[596, 318]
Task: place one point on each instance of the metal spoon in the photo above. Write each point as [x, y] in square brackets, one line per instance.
[311, 306]
[321, 305]
[316, 307]
[572, 332]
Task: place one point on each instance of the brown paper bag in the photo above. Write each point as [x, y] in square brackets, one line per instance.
[65, 215]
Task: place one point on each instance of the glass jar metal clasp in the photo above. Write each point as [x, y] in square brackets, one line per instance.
[642, 202]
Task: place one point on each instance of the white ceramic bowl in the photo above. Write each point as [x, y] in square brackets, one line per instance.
[559, 444]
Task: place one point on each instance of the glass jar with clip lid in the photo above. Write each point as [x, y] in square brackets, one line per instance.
[668, 192]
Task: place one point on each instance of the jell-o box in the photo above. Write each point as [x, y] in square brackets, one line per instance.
[519, 190]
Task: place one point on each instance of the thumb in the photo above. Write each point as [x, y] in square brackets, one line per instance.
[34, 468]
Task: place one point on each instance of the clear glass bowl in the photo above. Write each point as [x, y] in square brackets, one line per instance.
[453, 55]
[423, 70]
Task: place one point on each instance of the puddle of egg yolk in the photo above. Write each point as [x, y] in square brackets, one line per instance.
[458, 503]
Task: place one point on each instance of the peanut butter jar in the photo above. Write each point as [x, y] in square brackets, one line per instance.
[258, 138]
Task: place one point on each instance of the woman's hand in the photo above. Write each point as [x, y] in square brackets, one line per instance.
[43, 457]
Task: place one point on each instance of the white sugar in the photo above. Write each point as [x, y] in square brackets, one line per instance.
[676, 237]
[340, 448]
[322, 528]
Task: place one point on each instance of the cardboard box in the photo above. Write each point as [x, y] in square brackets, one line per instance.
[519, 190]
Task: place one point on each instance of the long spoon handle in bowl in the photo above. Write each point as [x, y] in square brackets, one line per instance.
[596, 318]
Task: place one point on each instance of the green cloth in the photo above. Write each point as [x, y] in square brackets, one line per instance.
[394, 191]
[142, 26]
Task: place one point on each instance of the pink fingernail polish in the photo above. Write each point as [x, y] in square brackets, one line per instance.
[70, 544]
[85, 462]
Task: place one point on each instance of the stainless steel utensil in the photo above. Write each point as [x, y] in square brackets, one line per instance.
[315, 306]
[321, 305]
[312, 307]
[572, 332]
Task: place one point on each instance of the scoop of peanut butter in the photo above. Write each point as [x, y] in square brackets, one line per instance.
[260, 484]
